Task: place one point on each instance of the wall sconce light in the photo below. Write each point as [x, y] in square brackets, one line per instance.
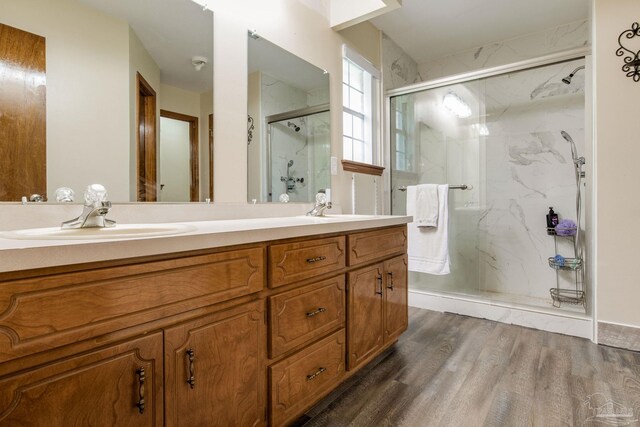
[456, 105]
[631, 61]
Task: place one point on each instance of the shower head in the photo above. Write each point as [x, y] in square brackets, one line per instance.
[577, 161]
[293, 126]
[567, 80]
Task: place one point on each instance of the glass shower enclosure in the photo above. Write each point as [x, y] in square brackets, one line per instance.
[501, 137]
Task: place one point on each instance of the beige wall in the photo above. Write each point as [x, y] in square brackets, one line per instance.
[87, 59]
[617, 154]
[255, 160]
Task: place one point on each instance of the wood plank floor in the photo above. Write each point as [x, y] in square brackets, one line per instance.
[451, 370]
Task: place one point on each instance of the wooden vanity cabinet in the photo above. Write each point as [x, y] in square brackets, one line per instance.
[377, 309]
[120, 385]
[214, 369]
[235, 336]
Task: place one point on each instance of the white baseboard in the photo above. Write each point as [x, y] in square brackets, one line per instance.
[544, 319]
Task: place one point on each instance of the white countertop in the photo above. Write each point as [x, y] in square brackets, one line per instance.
[24, 254]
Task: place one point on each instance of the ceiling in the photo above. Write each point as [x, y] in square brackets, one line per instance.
[172, 32]
[431, 29]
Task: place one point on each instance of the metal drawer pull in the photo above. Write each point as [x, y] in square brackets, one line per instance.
[390, 286]
[316, 259]
[318, 311]
[192, 379]
[141, 380]
[380, 283]
[315, 374]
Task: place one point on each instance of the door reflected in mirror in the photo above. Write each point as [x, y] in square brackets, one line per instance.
[289, 127]
[105, 71]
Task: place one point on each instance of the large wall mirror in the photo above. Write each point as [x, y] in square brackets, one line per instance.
[288, 129]
[115, 92]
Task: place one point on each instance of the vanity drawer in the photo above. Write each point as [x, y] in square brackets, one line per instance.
[373, 245]
[291, 262]
[299, 381]
[46, 312]
[300, 315]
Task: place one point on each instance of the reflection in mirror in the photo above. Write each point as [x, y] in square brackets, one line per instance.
[114, 92]
[289, 145]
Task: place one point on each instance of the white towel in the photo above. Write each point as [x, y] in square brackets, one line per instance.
[426, 205]
[429, 247]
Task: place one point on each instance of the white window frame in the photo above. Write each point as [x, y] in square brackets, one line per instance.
[370, 111]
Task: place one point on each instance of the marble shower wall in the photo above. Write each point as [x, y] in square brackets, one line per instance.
[308, 147]
[568, 36]
[513, 155]
[398, 68]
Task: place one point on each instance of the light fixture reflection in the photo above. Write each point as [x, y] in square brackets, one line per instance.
[481, 129]
[456, 105]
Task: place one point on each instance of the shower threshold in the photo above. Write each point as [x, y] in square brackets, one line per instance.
[537, 313]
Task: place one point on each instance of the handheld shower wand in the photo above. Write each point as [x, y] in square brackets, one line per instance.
[578, 162]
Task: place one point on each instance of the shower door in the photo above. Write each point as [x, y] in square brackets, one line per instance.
[501, 136]
[299, 155]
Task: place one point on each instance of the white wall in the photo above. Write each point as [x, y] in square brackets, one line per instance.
[617, 153]
[87, 59]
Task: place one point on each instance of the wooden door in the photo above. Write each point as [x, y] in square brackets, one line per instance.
[215, 369]
[120, 385]
[170, 164]
[146, 141]
[396, 314]
[365, 314]
[23, 159]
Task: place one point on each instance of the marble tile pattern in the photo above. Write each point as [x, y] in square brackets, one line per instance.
[307, 147]
[498, 237]
[399, 69]
[568, 36]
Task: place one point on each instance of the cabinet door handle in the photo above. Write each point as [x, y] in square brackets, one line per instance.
[318, 311]
[141, 380]
[192, 379]
[316, 259]
[390, 285]
[315, 374]
[379, 283]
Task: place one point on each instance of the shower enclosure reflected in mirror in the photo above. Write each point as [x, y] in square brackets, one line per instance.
[107, 72]
[289, 138]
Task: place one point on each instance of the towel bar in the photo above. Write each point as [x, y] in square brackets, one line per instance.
[451, 187]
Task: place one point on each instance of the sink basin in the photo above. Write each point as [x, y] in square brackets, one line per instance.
[120, 231]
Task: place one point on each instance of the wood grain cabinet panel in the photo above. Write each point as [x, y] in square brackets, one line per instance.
[292, 262]
[117, 386]
[378, 311]
[43, 312]
[302, 314]
[365, 314]
[214, 366]
[300, 380]
[396, 312]
[370, 246]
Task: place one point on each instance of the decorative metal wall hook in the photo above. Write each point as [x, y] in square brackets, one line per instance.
[631, 59]
[250, 129]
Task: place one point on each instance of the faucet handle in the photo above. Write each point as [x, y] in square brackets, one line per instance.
[94, 194]
[321, 198]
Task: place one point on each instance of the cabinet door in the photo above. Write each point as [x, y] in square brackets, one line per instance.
[365, 314]
[396, 315]
[214, 366]
[120, 385]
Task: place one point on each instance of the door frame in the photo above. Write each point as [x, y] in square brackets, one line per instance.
[194, 187]
[211, 157]
[146, 145]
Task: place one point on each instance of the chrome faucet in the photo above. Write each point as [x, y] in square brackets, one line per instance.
[95, 210]
[321, 205]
